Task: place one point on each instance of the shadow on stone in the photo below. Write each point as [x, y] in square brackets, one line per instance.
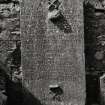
[9, 1]
[19, 95]
[62, 23]
[15, 92]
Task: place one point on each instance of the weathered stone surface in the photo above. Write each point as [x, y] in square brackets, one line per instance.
[52, 54]
[9, 26]
[10, 15]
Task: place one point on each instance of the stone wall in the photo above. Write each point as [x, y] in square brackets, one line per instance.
[94, 16]
[9, 26]
[94, 36]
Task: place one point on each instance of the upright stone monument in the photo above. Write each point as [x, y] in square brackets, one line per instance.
[102, 89]
[52, 34]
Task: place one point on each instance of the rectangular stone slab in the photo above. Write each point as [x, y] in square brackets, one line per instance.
[102, 89]
[53, 52]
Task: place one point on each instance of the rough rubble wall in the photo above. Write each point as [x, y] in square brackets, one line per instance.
[94, 49]
[9, 26]
[53, 52]
[94, 38]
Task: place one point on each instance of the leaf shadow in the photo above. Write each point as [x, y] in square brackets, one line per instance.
[62, 23]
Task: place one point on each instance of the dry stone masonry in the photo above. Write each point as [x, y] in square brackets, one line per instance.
[9, 26]
[10, 41]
